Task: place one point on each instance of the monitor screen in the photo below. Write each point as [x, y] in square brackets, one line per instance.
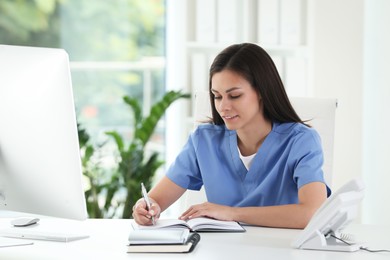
[40, 165]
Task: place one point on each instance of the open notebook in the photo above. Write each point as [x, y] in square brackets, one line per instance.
[196, 224]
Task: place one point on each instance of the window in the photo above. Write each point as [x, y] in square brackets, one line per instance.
[116, 48]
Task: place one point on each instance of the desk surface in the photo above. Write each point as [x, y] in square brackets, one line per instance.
[108, 240]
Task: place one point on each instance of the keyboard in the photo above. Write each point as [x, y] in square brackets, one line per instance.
[7, 242]
[40, 235]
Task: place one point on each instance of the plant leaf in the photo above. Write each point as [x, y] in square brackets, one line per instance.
[136, 108]
[118, 139]
[148, 125]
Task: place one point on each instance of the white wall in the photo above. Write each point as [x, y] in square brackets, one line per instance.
[351, 61]
[376, 101]
[176, 78]
[336, 40]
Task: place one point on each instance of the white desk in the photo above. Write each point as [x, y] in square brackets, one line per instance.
[108, 240]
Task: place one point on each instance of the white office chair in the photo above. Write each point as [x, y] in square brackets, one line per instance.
[320, 111]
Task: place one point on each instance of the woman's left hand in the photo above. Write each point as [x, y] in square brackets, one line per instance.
[210, 210]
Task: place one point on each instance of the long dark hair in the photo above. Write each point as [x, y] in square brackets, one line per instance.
[255, 65]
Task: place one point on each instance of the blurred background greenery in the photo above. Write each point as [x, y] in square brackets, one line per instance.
[110, 44]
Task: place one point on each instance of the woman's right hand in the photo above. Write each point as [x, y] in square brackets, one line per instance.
[144, 217]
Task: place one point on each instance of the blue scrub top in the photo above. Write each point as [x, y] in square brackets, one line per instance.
[290, 157]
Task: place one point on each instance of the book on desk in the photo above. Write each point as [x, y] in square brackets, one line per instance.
[162, 241]
[200, 224]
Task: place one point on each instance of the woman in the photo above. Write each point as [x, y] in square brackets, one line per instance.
[258, 161]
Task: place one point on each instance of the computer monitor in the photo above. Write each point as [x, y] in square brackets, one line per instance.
[40, 165]
[324, 231]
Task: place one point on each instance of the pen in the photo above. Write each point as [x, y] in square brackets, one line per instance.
[147, 201]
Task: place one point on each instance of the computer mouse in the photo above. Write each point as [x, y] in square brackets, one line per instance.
[24, 221]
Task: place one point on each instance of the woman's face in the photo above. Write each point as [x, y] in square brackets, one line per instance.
[236, 101]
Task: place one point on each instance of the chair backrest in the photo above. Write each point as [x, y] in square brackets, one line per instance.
[320, 111]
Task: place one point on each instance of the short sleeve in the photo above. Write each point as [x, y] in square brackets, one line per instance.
[185, 171]
[309, 158]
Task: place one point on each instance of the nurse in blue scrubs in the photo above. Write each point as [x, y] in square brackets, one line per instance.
[257, 160]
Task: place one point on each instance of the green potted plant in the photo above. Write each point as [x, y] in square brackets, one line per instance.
[97, 178]
[134, 164]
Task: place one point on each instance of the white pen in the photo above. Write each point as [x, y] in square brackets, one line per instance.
[147, 201]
